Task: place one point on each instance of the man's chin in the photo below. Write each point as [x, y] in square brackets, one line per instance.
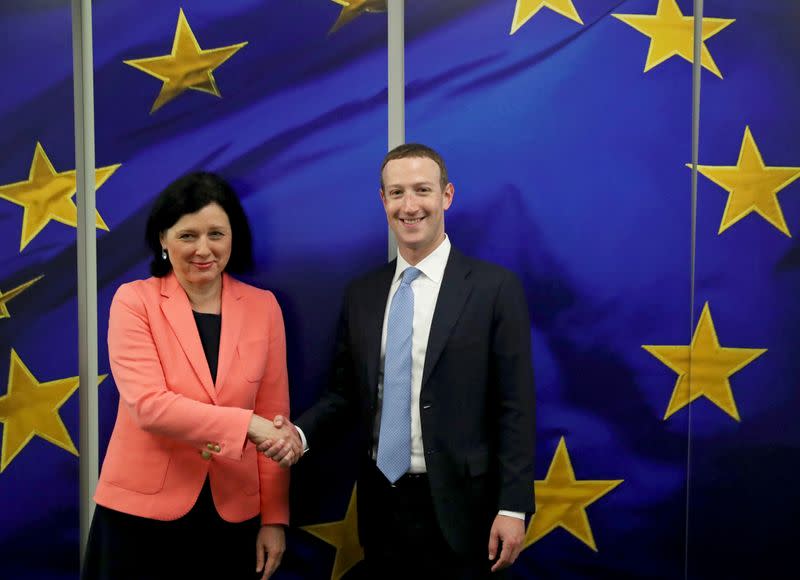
[406, 242]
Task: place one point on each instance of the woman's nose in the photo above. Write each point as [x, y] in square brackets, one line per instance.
[202, 246]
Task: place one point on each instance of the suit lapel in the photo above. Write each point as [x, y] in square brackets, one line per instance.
[178, 312]
[453, 294]
[374, 302]
[232, 321]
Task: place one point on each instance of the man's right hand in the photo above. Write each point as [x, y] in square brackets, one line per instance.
[287, 449]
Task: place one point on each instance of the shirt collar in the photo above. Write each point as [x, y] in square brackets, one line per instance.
[432, 266]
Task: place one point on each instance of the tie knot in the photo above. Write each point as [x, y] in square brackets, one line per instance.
[410, 274]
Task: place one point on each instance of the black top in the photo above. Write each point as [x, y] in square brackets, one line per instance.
[209, 325]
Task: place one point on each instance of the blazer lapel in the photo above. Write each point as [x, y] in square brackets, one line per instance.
[178, 312]
[233, 312]
[374, 310]
[455, 289]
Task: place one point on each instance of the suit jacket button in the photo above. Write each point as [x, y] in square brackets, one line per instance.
[210, 446]
[217, 448]
[206, 454]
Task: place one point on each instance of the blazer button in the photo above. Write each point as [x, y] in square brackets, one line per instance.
[217, 448]
[210, 446]
[206, 454]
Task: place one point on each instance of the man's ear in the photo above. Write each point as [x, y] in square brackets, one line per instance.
[448, 193]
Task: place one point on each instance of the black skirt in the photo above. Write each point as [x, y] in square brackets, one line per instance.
[199, 545]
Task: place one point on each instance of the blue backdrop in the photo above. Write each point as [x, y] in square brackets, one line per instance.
[569, 163]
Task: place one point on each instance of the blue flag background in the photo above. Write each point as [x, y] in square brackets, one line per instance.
[569, 165]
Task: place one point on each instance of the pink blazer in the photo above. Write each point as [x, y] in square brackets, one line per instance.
[174, 427]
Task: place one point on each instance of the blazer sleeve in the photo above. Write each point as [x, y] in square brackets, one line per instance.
[513, 374]
[273, 399]
[139, 376]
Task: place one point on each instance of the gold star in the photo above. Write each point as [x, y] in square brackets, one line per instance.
[751, 186]
[561, 501]
[710, 364]
[352, 9]
[47, 195]
[6, 296]
[343, 535]
[526, 9]
[31, 408]
[671, 33]
[186, 67]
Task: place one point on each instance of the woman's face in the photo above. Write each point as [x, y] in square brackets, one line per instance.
[199, 246]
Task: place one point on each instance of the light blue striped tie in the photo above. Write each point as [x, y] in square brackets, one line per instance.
[394, 444]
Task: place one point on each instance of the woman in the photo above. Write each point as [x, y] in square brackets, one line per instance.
[199, 359]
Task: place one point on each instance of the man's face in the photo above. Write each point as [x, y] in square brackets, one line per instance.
[415, 204]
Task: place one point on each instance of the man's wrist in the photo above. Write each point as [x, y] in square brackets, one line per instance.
[302, 438]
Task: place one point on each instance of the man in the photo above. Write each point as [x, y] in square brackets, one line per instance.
[433, 365]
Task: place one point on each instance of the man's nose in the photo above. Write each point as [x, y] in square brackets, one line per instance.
[410, 203]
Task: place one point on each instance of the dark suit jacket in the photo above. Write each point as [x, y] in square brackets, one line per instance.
[476, 403]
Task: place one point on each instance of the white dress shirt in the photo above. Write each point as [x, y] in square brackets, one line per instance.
[426, 291]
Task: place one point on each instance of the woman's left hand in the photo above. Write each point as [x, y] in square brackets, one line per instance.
[271, 541]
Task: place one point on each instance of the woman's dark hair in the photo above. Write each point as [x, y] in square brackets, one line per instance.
[189, 194]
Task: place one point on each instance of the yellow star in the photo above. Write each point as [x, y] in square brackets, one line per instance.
[671, 33]
[47, 195]
[751, 186]
[526, 9]
[31, 408]
[343, 535]
[561, 501]
[6, 296]
[186, 67]
[352, 9]
[704, 367]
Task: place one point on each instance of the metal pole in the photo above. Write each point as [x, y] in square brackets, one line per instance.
[83, 87]
[696, 76]
[396, 85]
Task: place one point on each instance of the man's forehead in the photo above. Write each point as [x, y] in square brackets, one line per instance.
[415, 168]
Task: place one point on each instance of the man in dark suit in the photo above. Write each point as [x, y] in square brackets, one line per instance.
[433, 366]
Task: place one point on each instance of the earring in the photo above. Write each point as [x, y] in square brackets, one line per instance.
[163, 254]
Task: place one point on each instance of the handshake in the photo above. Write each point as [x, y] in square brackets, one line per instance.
[278, 439]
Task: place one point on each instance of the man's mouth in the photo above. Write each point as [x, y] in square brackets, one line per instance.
[411, 221]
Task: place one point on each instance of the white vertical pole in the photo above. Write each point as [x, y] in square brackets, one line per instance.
[696, 76]
[396, 85]
[83, 88]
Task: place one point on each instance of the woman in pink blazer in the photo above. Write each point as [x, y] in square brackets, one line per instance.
[199, 360]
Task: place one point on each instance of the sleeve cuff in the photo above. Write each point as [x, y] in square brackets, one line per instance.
[302, 438]
[518, 515]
